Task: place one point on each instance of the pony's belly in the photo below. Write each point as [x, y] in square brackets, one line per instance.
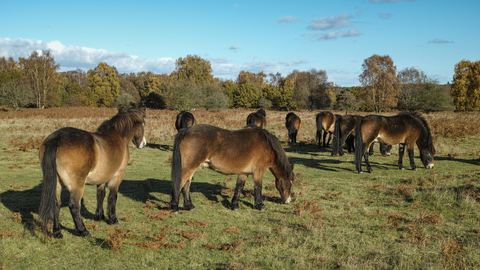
[223, 168]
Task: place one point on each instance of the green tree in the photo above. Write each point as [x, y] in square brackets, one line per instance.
[41, 70]
[103, 85]
[466, 86]
[194, 69]
[246, 96]
[380, 81]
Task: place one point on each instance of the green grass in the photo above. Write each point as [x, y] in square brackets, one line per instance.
[391, 219]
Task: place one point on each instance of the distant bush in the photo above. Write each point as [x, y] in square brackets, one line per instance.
[264, 103]
[123, 100]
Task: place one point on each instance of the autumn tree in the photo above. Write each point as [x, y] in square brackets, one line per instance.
[380, 82]
[41, 70]
[256, 79]
[466, 85]
[103, 85]
[310, 88]
[194, 69]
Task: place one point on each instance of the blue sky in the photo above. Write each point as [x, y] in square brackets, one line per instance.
[255, 35]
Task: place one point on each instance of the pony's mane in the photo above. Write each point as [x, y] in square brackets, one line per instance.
[124, 120]
[282, 160]
[428, 140]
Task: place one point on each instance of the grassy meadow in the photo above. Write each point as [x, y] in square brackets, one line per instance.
[392, 219]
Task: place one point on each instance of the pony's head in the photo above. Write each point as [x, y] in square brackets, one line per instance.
[284, 186]
[139, 136]
[426, 155]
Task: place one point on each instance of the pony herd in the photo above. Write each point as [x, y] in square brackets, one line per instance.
[75, 158]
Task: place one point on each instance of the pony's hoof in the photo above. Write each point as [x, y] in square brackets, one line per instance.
[58, 235]
[360, 172]
[84, 233]
[416, 169]
[113, 221]
[99, 218]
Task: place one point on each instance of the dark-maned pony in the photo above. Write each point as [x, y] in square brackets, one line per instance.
[184, 120]
[325, 125]
[344, 132]
[258, 118]
[293, 124]
[250, 150]
[74, 158]
[405, 129]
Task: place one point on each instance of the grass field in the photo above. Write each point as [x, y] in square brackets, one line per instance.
[392, 219]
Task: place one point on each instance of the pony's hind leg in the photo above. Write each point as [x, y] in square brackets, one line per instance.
[238, 190]
[74, 205]
[99, 214]
[177, 186]
[187, 201]
[57, 227]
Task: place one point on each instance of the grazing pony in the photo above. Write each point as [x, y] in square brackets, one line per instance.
[74, 158]
[326, 125]
[406, 129]
[184, 120]
[258, 118]
[344, 132]
[293, 124]
[250, 150]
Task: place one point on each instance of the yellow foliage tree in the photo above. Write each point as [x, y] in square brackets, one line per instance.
[466, 86]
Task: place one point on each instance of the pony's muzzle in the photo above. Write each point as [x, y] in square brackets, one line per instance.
[429, 166]
[288, 200]
[143, 143]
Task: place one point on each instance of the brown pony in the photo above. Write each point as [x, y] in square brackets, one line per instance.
[184, 120]
[326, 125]
[250, 150]
[293, 124]
[405, 129]
[344, 132]
[258, 118]
[75, 158]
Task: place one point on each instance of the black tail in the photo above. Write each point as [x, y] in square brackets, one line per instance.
[291, 128]
[358, 146]
[176, 173]
[252, 119]
[336, 138]
[48, 199]
[319, 120]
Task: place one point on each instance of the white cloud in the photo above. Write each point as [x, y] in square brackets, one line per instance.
[385, 16]
[234, 48]
[332, 22]
[440, 41]
[333, 35]
[389, 1]
[287, 19]
[73, 56]
[293, 63]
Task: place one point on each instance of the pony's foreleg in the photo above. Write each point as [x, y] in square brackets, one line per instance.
[412, 161]
[238, 190]
[401, 152]
[74, 205]
[113, 185]
[187, 201]
[99, 215]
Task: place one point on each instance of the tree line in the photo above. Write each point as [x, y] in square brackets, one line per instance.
[35, 81]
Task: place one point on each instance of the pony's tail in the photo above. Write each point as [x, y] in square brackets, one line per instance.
[48, 199]
[177, 159]
[252, 119]
[184, 121]
[291, 126]
[319, 128]
[358, 146]
[336, 138]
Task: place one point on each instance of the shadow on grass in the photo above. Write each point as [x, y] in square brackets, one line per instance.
[26, 203]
